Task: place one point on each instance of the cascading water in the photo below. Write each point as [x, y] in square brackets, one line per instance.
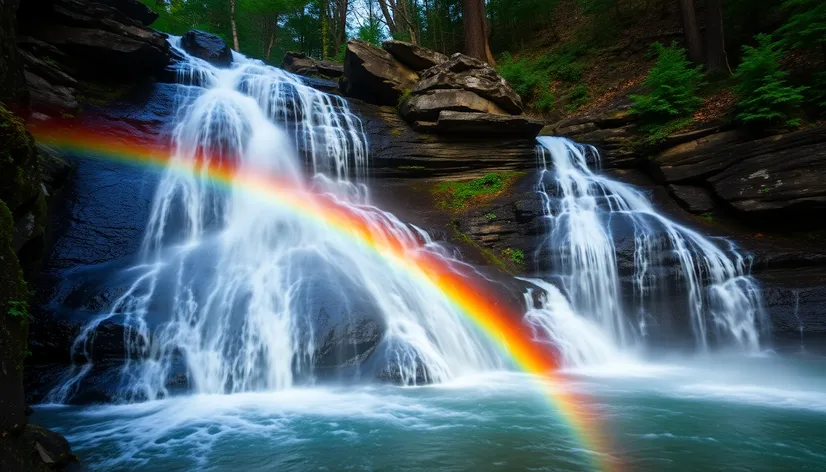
[675, 269]
[231, 289]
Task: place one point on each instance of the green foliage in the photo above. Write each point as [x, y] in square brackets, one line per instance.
[490, 216]
[672, 86]
[708, 217]
[517, 256]
[18, 309]
[764, 96]
[545, 101]
[578, 97]
[457, 194]
[533, 79]
[806, 27]
[371, 32]
[405, 96]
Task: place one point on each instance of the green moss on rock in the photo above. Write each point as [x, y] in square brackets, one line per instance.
[19, 172]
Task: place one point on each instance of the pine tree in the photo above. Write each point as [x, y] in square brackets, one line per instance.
[764, 96]
[672, 86]
[806, 27]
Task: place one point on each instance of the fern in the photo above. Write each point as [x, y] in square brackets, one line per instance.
[672, 86]
[18, 309]
[806, 27]
[764, 96]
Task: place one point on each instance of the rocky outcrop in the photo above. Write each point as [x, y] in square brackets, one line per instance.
[482, 124]
[457, 95]
[762, 177]
[374, 75]
[413, 56]
[64, 42]
[302, 64]
[207, 46]
[462, 72]
[427, 106]
[398, 150]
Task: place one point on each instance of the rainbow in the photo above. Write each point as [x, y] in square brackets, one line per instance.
[473, 296]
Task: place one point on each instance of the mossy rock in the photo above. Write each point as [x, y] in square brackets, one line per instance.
[19, 171]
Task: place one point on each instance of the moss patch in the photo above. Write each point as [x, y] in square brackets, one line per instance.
[19, 173]
[14, 295]
[459, 195]
[517, 256]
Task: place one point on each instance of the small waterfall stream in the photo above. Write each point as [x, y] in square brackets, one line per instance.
[677, 272]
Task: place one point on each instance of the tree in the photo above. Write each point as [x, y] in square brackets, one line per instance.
[400, 16]
[764, 96]
[672, 86]
[716, 58]
[806, 27]
[691, 31]
[234, 26]
[476, 31]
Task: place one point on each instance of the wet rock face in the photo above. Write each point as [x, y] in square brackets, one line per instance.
[207, 46]
[374, 75]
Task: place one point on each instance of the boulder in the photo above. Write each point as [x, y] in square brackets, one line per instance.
[50, 448]
[693, 199]
[485, 124]
[373, 75]
[329, 69]
[98, 38]
[302, 64]
[427, 106]
[413, 56]
[108, 53]
[462, 72]
[207, 46]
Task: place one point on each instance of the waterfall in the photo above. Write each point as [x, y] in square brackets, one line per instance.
[235, 292]
[678, 274]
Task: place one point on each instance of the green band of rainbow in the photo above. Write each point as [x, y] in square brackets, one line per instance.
[474, 297]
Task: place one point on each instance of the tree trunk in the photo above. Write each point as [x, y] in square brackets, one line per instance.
[388, 17]
[234, 27]
[473, 14]
[716, 58]
[691, 31]
[488, 54]
[273, 31]
[325, 8]
[341, 33]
